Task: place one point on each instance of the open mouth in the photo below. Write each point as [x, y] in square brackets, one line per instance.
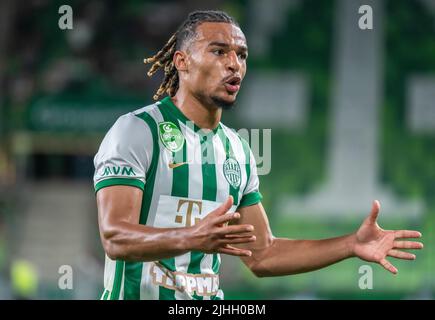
[232, 84]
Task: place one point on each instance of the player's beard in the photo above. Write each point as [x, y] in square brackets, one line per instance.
[221, 103]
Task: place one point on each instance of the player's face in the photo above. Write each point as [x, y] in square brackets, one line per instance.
[217, 63]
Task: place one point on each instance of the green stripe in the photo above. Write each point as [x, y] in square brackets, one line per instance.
[215, 268]
[209, 184]
[119, 182]
[133, 274]
[166, 294]
[250, 199]
[180, 180]
[216, 264]
[119, 270]
[133, 270]
[106, 294]
[180, 188]
[229, 154]
[195, 267]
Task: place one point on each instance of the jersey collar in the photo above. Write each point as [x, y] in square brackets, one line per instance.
[167, 101]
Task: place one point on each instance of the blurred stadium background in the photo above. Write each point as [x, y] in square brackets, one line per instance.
[352, 114]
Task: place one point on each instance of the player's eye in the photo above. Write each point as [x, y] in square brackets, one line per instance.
[218, 52]
[243, 56]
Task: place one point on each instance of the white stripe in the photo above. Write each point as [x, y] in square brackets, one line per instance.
[181, 265]
[193, 149]
[207, 264]
[109, 273]
[182, 262]
[148, 290]
[163, 179]
[206, 267]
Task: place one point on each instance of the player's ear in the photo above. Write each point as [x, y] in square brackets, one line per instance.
[180, 60]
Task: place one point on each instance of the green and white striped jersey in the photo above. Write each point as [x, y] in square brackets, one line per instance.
[184, 173]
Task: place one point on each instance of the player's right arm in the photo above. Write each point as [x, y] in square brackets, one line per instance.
[121, 164]
[124, 238]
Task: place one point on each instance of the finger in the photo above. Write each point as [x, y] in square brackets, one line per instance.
[388, 266]
[239, 235]
[376, 206]
[407, 245]
[226, 217]
[235, 229]
[224, 207]
[407, 234]
[237, 240]
[234, 251]
[401, 254]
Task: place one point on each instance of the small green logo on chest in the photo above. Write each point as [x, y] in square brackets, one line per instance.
[232, 172]
[171, 136]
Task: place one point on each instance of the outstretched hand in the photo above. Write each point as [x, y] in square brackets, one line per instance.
[374, 244]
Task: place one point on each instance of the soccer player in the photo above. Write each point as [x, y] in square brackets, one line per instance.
[176, 188]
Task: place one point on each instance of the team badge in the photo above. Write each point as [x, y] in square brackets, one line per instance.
[232, 172]
[171, 136]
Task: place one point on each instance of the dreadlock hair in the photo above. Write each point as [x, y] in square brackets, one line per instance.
[164, 58]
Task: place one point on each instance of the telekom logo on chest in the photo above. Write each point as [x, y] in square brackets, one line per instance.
[188, 213]
[183, 212]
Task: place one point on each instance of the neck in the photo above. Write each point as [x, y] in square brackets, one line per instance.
[204, 116]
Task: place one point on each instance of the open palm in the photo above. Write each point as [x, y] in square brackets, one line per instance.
[374, 244]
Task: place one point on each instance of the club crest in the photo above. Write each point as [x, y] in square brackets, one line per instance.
[232, 172]
[171, 136]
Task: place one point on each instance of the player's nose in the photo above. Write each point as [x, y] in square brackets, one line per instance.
[233, 62]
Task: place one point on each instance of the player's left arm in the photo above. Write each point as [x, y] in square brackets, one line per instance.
[281, 256]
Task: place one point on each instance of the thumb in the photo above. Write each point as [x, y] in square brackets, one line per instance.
[223, 208]
[375, 211]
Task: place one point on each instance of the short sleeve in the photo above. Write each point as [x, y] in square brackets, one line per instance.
[251, 194]
[123, 157]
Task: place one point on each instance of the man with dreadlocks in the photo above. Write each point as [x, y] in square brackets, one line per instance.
[176, 188]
